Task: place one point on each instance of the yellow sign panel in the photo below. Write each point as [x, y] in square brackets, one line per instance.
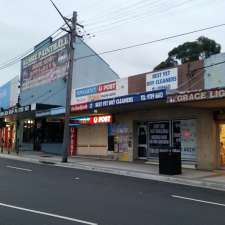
[124, 156]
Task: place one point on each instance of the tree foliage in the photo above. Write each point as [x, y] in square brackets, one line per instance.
[202, 48]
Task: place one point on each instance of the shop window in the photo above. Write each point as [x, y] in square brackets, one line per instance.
[121, 135]
[28, 131]
[53, 132]
[177, 134]
[184, 137]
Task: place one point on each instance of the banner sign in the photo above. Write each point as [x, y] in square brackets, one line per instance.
[100, 91]
[165, 79]
[146, 96]
[15, 110]
[46, 64]
[196, 95]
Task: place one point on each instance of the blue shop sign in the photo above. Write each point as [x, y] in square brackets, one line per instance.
[146, 96]
[86, 91]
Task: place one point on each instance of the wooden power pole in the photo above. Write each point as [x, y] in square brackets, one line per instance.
[71, 25]
[66, 135]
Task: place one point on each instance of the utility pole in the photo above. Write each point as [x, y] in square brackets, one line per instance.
[66, 135]
[71, 25]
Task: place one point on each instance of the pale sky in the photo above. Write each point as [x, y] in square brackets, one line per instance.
[114, 24]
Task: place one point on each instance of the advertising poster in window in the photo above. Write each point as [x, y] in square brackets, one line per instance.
[165, 79]
[46, 64]
[159, 137]
[188, 139]
[120, 132]
[184, 137]
[177, 135]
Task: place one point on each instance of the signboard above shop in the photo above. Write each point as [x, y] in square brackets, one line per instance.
[164, 79]
[196, 95]
[100, 91]
[127, 99]
[15, 110]
[45, 64]
[90, 120]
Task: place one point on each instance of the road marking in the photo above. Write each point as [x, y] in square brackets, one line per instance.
[198, 200]
[19, 168]
[76, 178]
[47, 214]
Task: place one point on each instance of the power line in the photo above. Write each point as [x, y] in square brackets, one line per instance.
[149, 15]
[204, 67]
[104, 10]
[17, 59]
[122, 11]
[197, 71]
[154, 10]
[182, 84]
[150, 42]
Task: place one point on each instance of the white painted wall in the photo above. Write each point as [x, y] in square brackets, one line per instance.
[214, 76]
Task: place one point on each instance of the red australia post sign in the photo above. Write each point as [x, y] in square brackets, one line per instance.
[82, 96]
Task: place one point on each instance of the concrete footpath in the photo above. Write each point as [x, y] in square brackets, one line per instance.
[191, 177]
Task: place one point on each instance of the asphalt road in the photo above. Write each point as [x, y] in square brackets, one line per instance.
[32, 194]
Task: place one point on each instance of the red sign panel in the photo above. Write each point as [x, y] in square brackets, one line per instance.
[101, 119]
[79, 107]
[91, 120]
[73, 141]
[107, 87]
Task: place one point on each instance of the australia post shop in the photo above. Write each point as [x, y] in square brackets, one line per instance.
[141, 121]
[133, 127]
[138, 131]
[146, 120]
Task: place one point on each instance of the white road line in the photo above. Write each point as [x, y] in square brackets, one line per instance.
[47, 214]
[19, 168]
[198, 200]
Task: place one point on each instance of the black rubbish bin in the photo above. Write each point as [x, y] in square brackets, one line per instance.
[170, 161]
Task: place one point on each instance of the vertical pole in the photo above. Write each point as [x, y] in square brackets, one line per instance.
[66, 136]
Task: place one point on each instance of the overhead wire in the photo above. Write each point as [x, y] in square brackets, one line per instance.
[193, 74]
[17, 59]
[150, 42]
[181, 85]
[120, 12]
[104, 10]
[137, 17]
[168, 9]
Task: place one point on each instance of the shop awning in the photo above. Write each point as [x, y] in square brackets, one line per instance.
[50, 112]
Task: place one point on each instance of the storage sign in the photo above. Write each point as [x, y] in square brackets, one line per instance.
[165, 79]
